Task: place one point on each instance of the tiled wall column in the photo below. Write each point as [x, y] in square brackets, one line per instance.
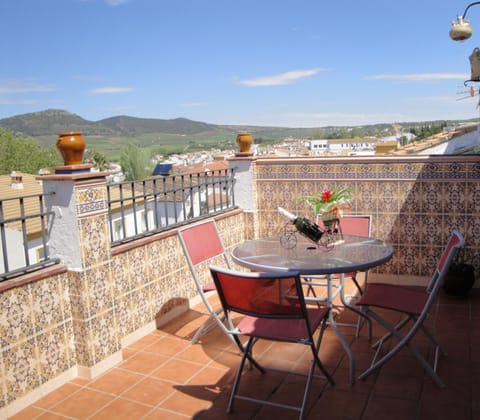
[245, 190]
[80, 237]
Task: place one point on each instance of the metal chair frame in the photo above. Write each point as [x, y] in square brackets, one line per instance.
[270, 306]
[415, 306]
[202, 246]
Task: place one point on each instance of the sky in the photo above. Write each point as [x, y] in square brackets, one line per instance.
[284, 63]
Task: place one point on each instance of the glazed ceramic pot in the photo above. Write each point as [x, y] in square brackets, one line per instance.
[244, 141]
[475, 65]
[71, 146]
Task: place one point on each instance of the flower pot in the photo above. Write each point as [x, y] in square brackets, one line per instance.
[475, 65]
[459, 280]
[71, 146]
[330, 222]
[244, 141]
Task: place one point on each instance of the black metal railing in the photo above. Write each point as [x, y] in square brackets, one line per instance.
[24, 235]
[141, 208]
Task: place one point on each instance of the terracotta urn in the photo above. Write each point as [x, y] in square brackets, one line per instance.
[71, 146]
[244, 141]
[475, 65]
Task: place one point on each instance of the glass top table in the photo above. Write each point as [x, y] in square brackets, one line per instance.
[350, 254]
[353, 253]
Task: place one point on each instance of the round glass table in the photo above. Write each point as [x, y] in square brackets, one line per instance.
[350, 254]
[353, 253]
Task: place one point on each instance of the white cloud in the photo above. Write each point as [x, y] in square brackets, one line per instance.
[193, 104]
[109, 90]
[14, 87]
[116, 2]
[418, 77]
[281, 79]
[17, 102]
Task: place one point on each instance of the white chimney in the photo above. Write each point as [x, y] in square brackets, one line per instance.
[16, 181]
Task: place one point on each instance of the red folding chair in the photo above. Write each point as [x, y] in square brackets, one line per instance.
[360, 225]
[274, 308]
[203, 246]
[415, 305]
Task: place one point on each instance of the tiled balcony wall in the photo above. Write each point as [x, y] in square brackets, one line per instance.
[415, 201]
[73, 319]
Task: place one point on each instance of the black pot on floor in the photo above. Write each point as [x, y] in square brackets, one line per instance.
[459, 280]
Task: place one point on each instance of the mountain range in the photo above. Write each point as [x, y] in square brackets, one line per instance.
[109, 135]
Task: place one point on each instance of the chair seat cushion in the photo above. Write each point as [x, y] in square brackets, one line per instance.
[291, 330]
[397, 298]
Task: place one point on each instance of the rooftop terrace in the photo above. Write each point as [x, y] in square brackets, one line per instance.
[164, 376]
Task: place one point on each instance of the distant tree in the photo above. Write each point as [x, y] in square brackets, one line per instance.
[136, 163]
[24, 154]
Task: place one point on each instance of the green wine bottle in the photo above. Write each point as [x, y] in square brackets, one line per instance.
[303, 225]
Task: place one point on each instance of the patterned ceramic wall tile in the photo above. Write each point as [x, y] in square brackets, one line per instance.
[455, 197]
[22, 373]
[16, 316]
[54, 353]
[409, 263]
[141, 305]
[409, 197]
[121, 274]
[105, 338]
[369, 197]
[80, 306]
[91, 199]
[432, 197]
[473, 230]
[473, 197]
[82, 341]
[388, 197]
[387, 229]
[46, 303]
[124, 315]
[430, 227]
[139, 274]
[414, 203]
[95, 241]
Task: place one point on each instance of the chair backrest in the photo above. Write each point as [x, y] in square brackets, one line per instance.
[262, 295]
[202, 245]
[455, 242]
[360, 225]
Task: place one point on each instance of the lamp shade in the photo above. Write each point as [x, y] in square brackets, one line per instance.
[461, 30]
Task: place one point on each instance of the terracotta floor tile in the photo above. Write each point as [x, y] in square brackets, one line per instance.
[168, 346]
[82, 404]
[143, 362]
[160, 414]
[57, 395]
[116, 381]
[27, 414]
[390, 408]
[50, 416]
[145, 341]
[178, 371]
[149, 391]
[121, 409]
[163, 376]
[403, 387]
[335, 404]
[210, 375]
[186, 404]
[199, 354]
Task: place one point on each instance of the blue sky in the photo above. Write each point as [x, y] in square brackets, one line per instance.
[291, 63]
